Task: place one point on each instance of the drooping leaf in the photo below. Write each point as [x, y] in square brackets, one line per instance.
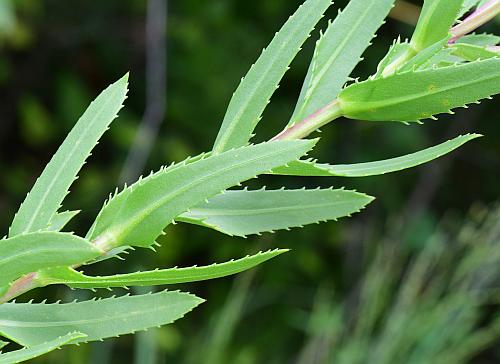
[51, 188]
[253, 94]
[246, 212]
[435, 22]
[154, 202]
[483, 39]
[32, 352]
[33, 324]
[74, 279]
[337, 52]
[60, 219]
[471, 52]
[30, 252]
[311, 168]
[411, 96]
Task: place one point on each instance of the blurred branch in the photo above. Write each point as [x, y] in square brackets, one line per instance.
[156, 90]
[405, 12]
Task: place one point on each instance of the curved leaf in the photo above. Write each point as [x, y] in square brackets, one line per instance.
[311, 168]
[27, 253]
[253, 94]
[33, 324]
[74, 279]
[52, 187]
[152, 203]
[471, 52]
[253, 212]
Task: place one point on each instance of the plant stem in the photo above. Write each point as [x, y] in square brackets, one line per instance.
[22, 285]
[313, 122]
[479, 17]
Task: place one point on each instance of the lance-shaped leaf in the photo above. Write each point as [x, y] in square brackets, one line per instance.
[138, 215]
[74, 279]
[52, 187]
[253, 94]
[435, 21]
[471, 52]
[60, 219]
[32, 352]
[27, 253]
[337, 52]
[32, 324]
[311, 168]
[412, 96]
[246, 212]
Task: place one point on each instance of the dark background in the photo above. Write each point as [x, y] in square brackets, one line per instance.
[55, 58]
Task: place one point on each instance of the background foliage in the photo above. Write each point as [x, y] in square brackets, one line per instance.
[56, 56]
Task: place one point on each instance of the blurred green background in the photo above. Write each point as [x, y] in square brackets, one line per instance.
[410, 279]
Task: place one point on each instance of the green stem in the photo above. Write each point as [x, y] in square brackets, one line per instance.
[313, 122]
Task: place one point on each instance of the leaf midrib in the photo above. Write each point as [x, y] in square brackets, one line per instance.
[257, 211]
[367, 105]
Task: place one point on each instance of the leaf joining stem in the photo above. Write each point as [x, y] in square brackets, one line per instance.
[311, 123]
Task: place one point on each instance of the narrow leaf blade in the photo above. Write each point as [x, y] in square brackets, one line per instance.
[32, 324]
[32, 352]
[52, 186]
[310, 168]
[253, 94]
[154, 202]
[435, 22]
[74, 279]
[27, 253]
[337, 52]
[246, 212]
[61, 219]
[424, 93]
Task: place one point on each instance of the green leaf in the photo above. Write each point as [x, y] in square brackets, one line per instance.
[337, 52]
[483, 39]
[30, 252]
[52, 187]
[24, 354]
[424, 56]
[435, 22]
[472, 52]
[311, 168]
[466, 6]
[252, 212]
[397, 50]
[154, 202]
[411, 96]
[60, 219]
[32, 324]
[3, 344]
[253, 94]
[74, 279]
